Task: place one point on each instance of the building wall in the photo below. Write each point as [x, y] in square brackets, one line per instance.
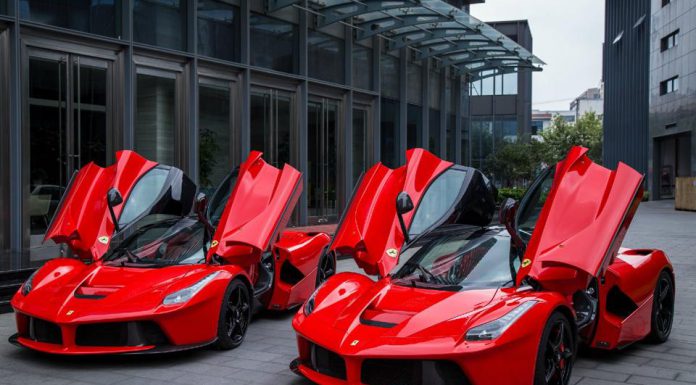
[626, 88]
[672, 115]
[149, 80]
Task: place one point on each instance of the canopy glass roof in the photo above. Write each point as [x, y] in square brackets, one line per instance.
[433, 28]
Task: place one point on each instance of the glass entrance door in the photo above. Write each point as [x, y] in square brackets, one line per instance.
[273, 124]
[67, 124]
[322, 180]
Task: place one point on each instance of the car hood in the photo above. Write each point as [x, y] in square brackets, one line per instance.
[582, 223]
[401, 312]
[65, 290]
[369, 229]
[82, 219]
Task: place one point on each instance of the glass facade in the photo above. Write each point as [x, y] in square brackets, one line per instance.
[274, 44]
[160, 23]
[217, 22]
[185, 84]
[326, 57]
[101, 17]
[505, 84]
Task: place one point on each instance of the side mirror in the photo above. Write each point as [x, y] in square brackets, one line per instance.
[114, 198]
[506, 216]
[404, 204]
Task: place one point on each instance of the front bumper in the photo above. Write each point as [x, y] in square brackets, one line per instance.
[113, 337]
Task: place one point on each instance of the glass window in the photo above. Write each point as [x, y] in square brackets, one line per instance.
[451, 143]
[272, 121]
[414, 126]
[670, 85]
[390, 132]
[360, 121]
[481, 141]
[143, 195]
[218, 30]
[437, 200]
[434, 131]
[160, 22]
[326, 57]
[155, 117]
[435, 88]
[3, 7]
[510, 83]
[362, 67]
[498, 85]
[273, 44]
[215, 133]
[102, 17]
[487, 83]
[389, 67]
[669, 41]
[415, 84]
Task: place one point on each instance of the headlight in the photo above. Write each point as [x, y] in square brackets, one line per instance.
[492, 330]
[309, 305]
[186, 294]
[29, 283]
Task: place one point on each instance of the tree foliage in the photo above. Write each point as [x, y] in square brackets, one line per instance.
[561, 136]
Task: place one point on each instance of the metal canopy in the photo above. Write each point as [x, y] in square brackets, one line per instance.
[433, 28]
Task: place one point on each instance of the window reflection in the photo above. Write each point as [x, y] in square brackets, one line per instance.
[390, 132]
[360, 122]
[102, 17]
[215, 133]
[272, 121]
[434, 131]
[155, 118]
[273, 44]
[218, 30]
[160, 22]
[362, 67]
[389, 67]
[326, 57]
[414, 126]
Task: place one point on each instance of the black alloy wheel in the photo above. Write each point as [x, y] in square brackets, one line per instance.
[556, 354]
[235, 316]
[663, 308]
[325, 269]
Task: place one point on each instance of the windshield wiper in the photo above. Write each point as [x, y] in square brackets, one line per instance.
[425, 271]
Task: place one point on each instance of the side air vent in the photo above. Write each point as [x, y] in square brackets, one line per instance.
[290, 274]
[619, 303]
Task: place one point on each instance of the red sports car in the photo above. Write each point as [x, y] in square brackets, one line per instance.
[144, 276]
[460, 301]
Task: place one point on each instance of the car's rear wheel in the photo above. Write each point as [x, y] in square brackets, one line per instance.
[663, 308]
[235, 315]
[326, 268]
[556, 353]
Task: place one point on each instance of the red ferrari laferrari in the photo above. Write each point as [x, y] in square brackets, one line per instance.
[461, 301]
[143, 275]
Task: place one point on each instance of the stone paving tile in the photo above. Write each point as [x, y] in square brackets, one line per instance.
[264, 357]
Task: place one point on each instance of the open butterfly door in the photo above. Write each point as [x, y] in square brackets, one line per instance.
[256, 212]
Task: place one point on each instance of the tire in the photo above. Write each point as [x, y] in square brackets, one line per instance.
[556, 353]
[235, 316]
[663, 309]
[325, 269]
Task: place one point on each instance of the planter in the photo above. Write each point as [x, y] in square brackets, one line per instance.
[685, 194]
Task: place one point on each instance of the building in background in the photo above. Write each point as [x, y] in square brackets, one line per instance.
[501, 106]
[199, 83]
[591, 100]
[650, 89]
[541, 120]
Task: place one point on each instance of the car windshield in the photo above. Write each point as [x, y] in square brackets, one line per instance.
[177, 241]
[459, 261]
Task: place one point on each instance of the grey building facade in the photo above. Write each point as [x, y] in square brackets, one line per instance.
[501, 106]
[672, 120]
[650, 89]
[328, 88]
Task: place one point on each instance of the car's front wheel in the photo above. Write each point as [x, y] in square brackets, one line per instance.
[326, 268]
[235, 315]
[663, 308]
[556, 353]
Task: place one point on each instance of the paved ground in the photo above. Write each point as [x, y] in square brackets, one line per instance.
[270, 345]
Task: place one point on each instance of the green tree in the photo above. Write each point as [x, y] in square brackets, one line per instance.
[561, 136]
[514, 164]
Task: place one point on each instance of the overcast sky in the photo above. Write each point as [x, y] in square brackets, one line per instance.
[568, 36]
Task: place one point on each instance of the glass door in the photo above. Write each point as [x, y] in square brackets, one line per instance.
[272, 124]
[322, 179]
[67, 124]
[360, 134]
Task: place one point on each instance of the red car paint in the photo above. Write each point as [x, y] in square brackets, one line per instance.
[576, 239]
[69, 293]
